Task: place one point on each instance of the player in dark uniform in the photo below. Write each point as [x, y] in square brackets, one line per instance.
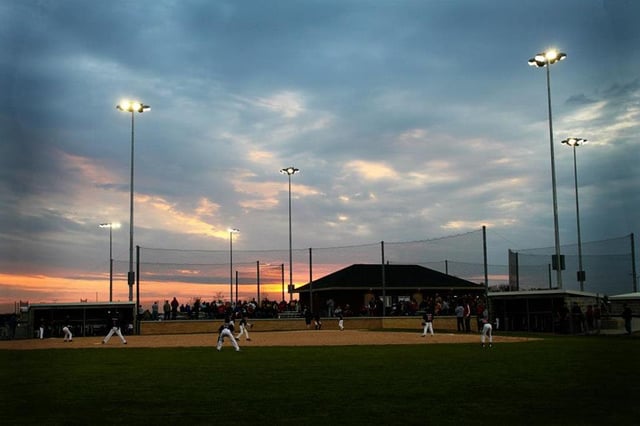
[114, 323]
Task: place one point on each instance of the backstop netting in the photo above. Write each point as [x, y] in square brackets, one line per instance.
[248, 274]
[608, 264]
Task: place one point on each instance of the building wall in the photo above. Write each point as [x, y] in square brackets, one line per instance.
[441, 324]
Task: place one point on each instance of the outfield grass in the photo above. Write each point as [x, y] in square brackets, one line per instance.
[558, 380]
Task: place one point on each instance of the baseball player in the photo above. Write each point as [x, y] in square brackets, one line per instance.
[427, 323]
[226, 330]
[244, 328]
[115, 328]
[340, 322]
[486, 330]
[68, 337]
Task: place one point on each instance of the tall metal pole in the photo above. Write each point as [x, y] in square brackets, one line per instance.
[290, 171]
[581, 276]
[111, 263]
[110, 225]
[132, 107]
[553, 183]
[290, 245]
[131, 275]
[282, 273]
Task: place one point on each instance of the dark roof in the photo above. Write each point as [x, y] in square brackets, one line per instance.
[365, 276]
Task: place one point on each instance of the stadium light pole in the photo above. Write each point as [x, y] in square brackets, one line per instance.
[110, 226]
[289, 171]
[132, 107]
[231, 232]
[545, 60]
[575, 142]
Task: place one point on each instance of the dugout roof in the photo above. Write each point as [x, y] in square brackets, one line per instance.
[396, 277]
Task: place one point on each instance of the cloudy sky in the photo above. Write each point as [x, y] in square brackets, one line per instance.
[408, 120]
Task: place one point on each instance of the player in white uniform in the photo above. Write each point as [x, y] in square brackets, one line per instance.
[68, 336]
[244, 328]
[427, 322]
[115, 328]
[226, 330]
[487, 329]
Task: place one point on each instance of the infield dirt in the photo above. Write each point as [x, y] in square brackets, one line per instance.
[277, 338]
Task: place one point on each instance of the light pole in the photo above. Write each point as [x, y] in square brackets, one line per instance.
[545, 60]
[289, 171]
[132, 107]
[574, 142]
[231, 232]
[110, 226]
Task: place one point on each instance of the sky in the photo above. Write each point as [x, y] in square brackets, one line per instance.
[408, 120]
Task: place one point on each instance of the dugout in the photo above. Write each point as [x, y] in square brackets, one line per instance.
[86, 319]
[357, 284]
[559, 311]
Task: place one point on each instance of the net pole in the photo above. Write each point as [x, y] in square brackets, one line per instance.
[384, 290]
[633, 264]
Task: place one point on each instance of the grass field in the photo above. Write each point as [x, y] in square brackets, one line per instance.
[558, 380]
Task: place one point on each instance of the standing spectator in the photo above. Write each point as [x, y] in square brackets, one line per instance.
[13, 323]
[330, 305]
[467, 317]
[460, 316]
[486, 330]
[174, 308]
[114, 323]
[589, 316]
[597, 318]
[427, 322]
[166, 308]
[479, 315]
[627, 315]
[577, 318]
[154, 310]
[196, 309]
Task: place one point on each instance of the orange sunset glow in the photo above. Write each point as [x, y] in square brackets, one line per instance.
[51, 289]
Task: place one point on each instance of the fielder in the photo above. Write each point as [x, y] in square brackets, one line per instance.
[115, 328]
[427, 322]
[68, 337]
[244, 328]
[486, 330]
[226, 330]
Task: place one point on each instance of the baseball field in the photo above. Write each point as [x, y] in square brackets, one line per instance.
[323, 377]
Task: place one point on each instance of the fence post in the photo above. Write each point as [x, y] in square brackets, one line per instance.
[486, 267]
[311, 280]
[384, 287]
[258, 280]
[136, 323]
[633, 264]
